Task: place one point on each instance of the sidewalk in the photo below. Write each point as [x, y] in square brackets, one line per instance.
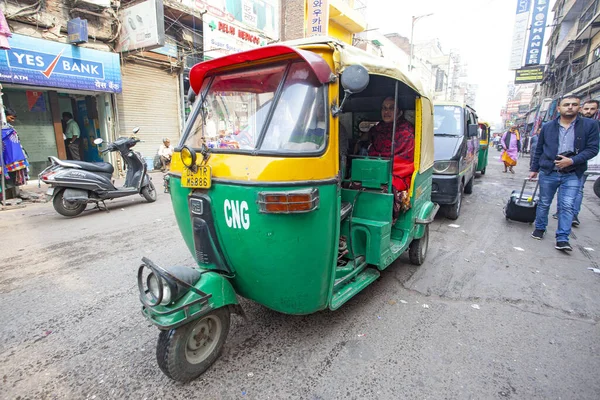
[35, 190]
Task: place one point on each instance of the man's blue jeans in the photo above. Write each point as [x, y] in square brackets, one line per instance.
[569, 185]
[578, 199]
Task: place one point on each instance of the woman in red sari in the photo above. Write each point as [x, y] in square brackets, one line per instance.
[404, 148]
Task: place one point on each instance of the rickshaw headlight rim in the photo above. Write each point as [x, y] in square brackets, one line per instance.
[188, 157]
[153, 283]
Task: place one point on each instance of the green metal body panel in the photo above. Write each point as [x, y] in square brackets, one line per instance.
[371, 173]
[373, 235]
[283, 261]
[483, 157]
[210, 282]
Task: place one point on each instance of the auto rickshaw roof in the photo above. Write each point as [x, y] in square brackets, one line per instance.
[318, 65]
[345, 55]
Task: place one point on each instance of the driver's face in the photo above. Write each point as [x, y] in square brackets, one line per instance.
[387, 110]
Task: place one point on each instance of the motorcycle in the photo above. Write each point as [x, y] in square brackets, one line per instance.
[74, 184]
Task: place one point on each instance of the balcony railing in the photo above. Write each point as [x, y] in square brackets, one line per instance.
[588, 15]
[584, 76]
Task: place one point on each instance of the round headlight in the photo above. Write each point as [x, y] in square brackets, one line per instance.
[154, 287]
[188, 157]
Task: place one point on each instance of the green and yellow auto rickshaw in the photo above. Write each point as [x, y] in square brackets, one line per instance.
[270, 202]
[484, 144]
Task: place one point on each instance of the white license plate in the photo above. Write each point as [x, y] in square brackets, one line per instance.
[50, 192]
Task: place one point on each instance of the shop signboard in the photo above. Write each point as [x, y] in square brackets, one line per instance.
[222, 38]
[536, 32]
[317, 18]
[519, 34]
[142, 26]
[38, 62]
[529, 75]
[261, 15]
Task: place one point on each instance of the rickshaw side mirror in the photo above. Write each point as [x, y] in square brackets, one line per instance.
[473, 130]
[354, 79]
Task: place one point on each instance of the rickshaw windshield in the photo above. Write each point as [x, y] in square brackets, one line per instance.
[274, 109]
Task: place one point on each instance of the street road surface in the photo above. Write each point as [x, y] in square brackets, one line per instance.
[492, 313]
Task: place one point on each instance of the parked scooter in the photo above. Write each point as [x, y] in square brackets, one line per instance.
[74, 184]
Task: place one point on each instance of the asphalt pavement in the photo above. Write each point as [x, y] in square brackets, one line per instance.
[492, 314]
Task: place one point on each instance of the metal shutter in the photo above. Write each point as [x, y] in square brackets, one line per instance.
[150, 100]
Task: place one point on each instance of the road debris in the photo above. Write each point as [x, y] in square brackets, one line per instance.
[361, 335]
[476, 306]
[594, 270]
[250, 374]
[392, 302]
[425, 305]
[589, 249]
[403, 301]
[518, 249]
[454, 226]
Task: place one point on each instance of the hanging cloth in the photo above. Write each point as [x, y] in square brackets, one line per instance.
[14, 157]
[4, 32]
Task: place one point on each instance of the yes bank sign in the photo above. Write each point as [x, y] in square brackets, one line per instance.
[38, 62]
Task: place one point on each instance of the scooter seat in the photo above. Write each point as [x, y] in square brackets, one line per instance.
[94, 167]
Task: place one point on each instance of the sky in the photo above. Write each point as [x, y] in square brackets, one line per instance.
[481, 30]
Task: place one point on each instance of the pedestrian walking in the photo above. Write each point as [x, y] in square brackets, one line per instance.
[511, 143]
[560, 159]
[588, 110]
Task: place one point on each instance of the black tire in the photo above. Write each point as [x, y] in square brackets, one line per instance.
[452, 211]
[469, 186]
[149, 192]
[418, 248]
[483, 170]
[175, 357]
[66, 208]
[597, 187]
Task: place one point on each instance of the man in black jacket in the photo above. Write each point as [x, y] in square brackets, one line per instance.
[563, 149]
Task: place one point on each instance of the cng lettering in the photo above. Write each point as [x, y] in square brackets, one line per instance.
[236, 214]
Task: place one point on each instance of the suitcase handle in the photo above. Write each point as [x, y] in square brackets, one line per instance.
[537, 183]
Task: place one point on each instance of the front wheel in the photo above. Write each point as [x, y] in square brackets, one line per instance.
[149, 192]
[418, 248]
[453, 210]
[67, 208]
[469, 186]
[483, 171]
[597, 187]
[185, 353]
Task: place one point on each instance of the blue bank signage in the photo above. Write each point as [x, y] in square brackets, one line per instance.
[39, 62]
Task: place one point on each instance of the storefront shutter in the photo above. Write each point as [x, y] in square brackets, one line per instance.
[150, 101]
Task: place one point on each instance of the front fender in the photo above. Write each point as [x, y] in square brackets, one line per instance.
[215, 285]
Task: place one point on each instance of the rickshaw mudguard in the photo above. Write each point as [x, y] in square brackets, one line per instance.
[190, 307]
[424, 217]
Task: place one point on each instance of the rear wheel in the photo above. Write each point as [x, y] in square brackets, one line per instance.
[149, 192]
[483, 170]
[597, 187]
[452, 211]
[67, 208]
[418, 248]
[185, 353]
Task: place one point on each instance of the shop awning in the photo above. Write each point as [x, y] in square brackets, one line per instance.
[318, 65]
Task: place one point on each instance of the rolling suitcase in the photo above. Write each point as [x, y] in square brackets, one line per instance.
[522, 205]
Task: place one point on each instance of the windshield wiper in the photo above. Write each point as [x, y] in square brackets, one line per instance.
[446, 134]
